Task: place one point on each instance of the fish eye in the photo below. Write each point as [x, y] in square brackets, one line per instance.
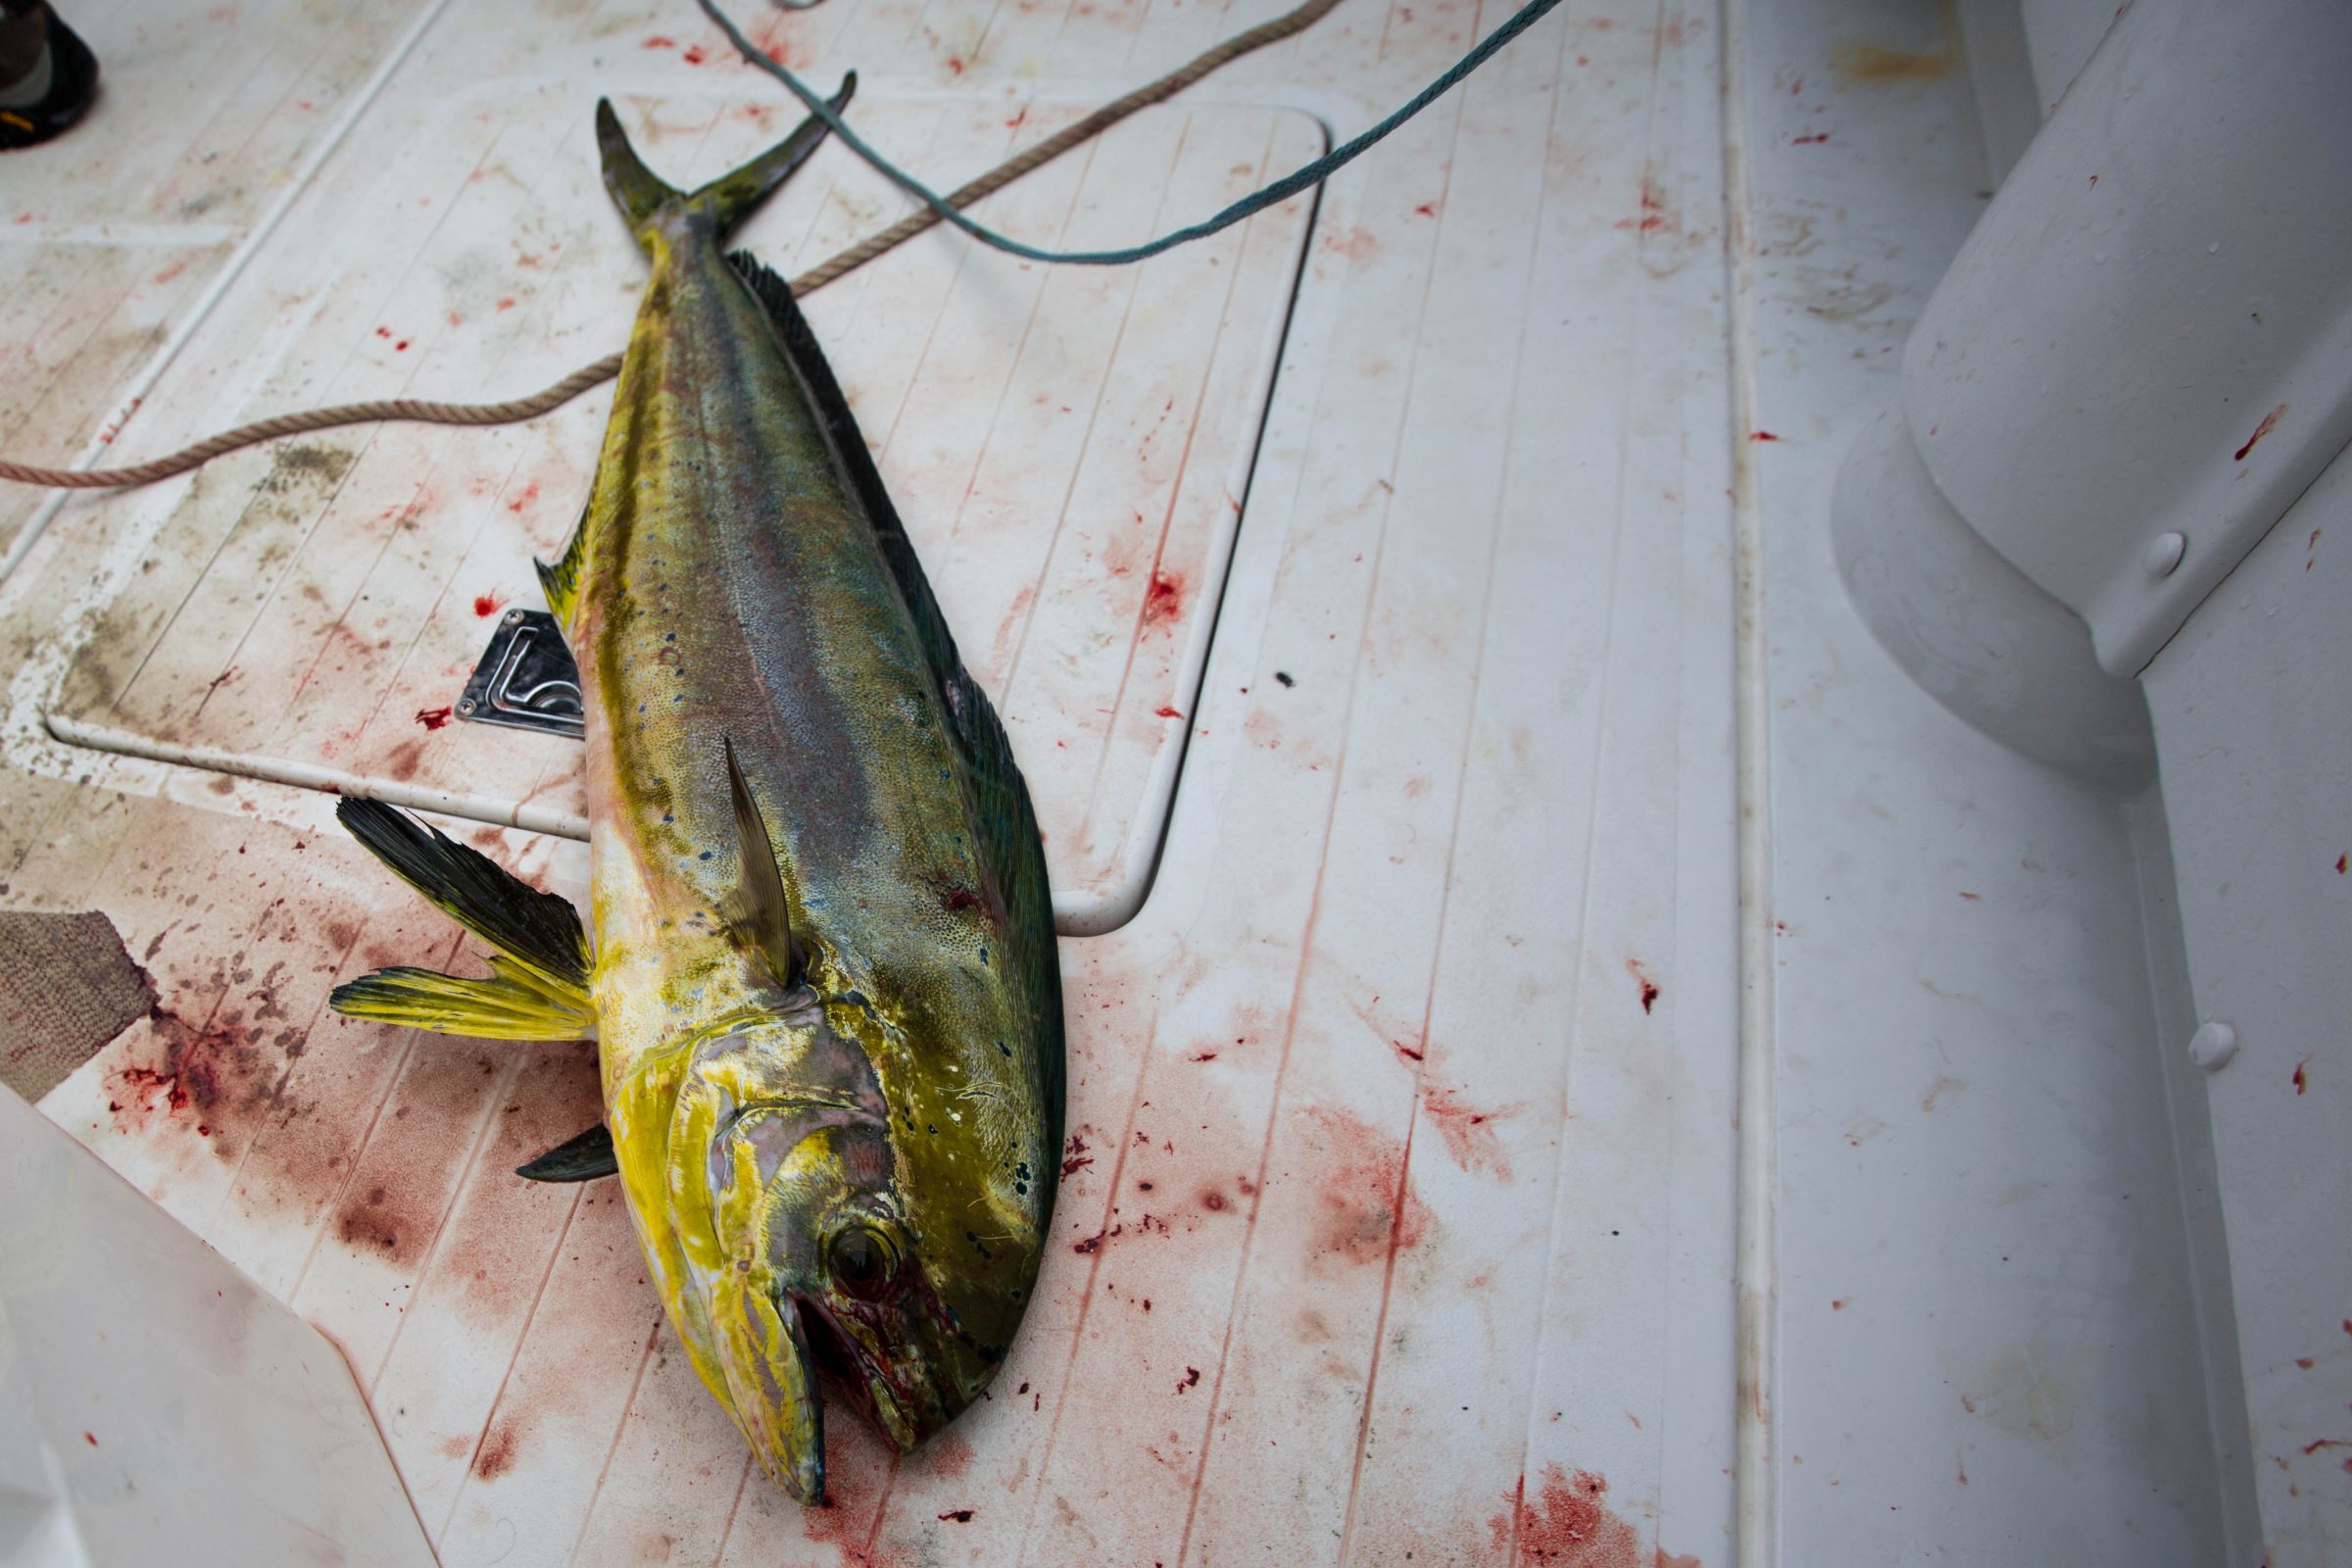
[862, 1260]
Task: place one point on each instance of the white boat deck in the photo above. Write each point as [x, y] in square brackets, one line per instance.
[1415, 608]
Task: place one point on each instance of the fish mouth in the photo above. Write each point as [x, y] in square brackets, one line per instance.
[772, 1389]
[799, 1352]
[846, 1372]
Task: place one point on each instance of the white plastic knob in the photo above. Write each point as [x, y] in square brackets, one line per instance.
[2213, 1045]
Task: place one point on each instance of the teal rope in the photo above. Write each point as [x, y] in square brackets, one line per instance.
[1312, 174]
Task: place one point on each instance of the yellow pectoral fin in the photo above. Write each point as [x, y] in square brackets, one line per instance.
[497, 1009]
[540, 941]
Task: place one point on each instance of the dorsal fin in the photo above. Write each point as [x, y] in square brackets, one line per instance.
[1009, 843]
[539, 932]
[759, 911]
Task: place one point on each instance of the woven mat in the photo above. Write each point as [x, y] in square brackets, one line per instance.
[66, 987]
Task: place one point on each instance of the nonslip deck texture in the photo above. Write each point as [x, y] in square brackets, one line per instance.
[1397, 1221]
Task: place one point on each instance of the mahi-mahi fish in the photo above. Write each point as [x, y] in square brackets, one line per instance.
[823, 980]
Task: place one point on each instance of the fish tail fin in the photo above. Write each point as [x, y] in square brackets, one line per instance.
[539, 985]
[642, 195]
[637, 190]
[734, 195]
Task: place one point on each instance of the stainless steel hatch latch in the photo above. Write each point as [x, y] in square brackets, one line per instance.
[526, 678]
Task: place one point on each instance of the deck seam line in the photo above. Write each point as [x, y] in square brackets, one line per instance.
[555, 1256]
[1468, 745]
[1094, 1267]
[1160, 547]
[629, 1407]
[1574, 1011]
[504, 1085]
[1754, 1476]
[1305, 965]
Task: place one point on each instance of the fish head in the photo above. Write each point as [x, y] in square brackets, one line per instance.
[817, 1278]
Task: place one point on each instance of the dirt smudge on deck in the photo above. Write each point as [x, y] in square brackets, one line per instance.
[1365, 1205]
[496, 1457]
[1875, 64]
